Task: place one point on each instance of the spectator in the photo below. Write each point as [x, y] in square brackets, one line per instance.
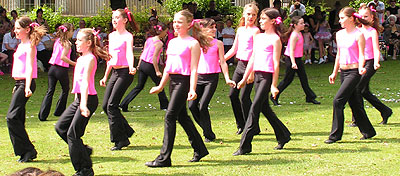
[218, 33]
[184, 6]
[228, 35]
[10, 43]
[332, 48]
[322, 36]
[102, 35]
[14, 15]
[393, 10]
[5, 23]
[302, 7]
[40, 20]
[297, 11]
[308, 43]
[278, 6]
[197, 14]
[313, 21]
[43, 54]
[380, 9]
[82, 24]
[334, 17]
[392, 34]
[213, 13]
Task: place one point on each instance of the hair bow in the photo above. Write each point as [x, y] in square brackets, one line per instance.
[372, 8]
[96, 33]
[357, 15]
[278, 20]
[158, 27]
[62, 27]
[291, 24]
[128, 13]
[195, 21]
[34, 24]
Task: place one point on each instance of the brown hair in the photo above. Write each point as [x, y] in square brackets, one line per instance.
[272, 13]
[51, 173]
[157, 29]
[33, 171]
[198, 32]
[350, 12]
[36, 32]
[294, 21]
[252, 5]
[133, 23]
[64, 40]
[375, 21]
[95, 46]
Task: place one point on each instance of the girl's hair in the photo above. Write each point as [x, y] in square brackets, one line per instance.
[272, 13]
[295, 20]
[36, 33]
[63, 34]
[95, 46]
[27, 171]
[207, 22]
[375, 21]
[253, 6]
[14, 11]
[132, 22]
[350, 12]
[157, 29]
[38, 11]
[198, 32]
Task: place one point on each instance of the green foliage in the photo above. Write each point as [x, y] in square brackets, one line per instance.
[356, 3]
[223, 6]
[311, 6]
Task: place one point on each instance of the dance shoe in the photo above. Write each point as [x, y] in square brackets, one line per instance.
[280, 145]
[28, 156]
[240, 152]
[85, 172]
[313, 101]
[157, 164]
[119, 145]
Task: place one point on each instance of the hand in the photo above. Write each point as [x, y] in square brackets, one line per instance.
[159, 74]
[231, 83]
[294, 66]
[28, 92]
[132, 70]
[241, 84]
[251, 78]
[362, 71]
[377, 66]
[84, 111]
[274, 91]
[155, 90]
[103, 82]
[14, 88]
[192, 95]
[332, 78]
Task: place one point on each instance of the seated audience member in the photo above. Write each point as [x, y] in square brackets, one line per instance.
[391, 34]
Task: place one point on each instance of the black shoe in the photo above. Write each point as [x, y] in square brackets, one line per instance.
[330, 141]
[274, 101]
[385, 117]
[208, 139]
[89, 150]
[196, 158]
[352, 124]
[313, 101]
[42, 119]
[157, 164]
[367, 137]
[85, 172]
[239, 131]
[120, 145]
[240, 152]
[280, 145]
[124, 108]
[28, 156]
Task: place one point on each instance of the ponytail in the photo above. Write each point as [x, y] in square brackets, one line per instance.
[125, 13]
[272, 13]
[350, 12]
[198, 31]
[95, 48]
[62, 34]
[294, 21]
[36, 31]
[375, 21]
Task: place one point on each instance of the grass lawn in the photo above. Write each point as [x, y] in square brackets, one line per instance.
[305, 154]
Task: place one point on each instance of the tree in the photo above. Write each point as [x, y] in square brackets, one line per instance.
[262, 4]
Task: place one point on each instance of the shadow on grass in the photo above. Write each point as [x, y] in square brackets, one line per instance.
[50, 161]
[183, 174]
[239, 162]
[320, 150]
[102, 159]
[158, 147]
[389, 124]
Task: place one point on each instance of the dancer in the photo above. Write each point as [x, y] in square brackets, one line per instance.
[122, 66]
[243, 48]
[294, 64]
[72, 123]
[372, 54]
[208, 70]
[60, 61]
[350, 60]
[182, 59]
[265, 64]
[24, 72]
[148, 66]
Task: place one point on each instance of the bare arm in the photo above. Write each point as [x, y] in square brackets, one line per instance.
[84, 88]
[223, 64]
[157, 52]
[332, 77]
[30, 57]
[293, 40]
[194, 61]
[375, 45]
[64, 57]
[361, 59]
[275, 76]
[129, 56]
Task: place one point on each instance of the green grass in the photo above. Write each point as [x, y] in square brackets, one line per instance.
[305, 154]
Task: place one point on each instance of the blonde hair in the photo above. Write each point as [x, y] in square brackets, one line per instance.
[253, 6]
[36, 33]
[64, 40]
[95, 46]
[198, 32]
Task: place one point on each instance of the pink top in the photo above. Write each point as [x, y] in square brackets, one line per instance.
[209, 62]
[117, 49]
[298, 49]
[19, 63]
[348, 47]
[264, 52]
[57, 53]
[179, 57]
[369, 49]
[82, 64]
[148, 52]
[245, 43]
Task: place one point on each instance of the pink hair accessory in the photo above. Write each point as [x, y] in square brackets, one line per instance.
[291, 24]
[63, 28]
[372, 8]
[357, 15]
[34, 24]
[195, 21]
[158, 27]
[96, 33]
[278, 20]
[128, 13]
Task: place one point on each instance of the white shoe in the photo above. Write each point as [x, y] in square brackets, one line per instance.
[321, 61]
[306, 62]
[381, 58]
[325, 59]
[40, 65]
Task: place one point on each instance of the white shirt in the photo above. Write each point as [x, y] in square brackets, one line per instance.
[40, 46]
[302, 8]
[76, 33]
[228, 31]
[12, 42]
